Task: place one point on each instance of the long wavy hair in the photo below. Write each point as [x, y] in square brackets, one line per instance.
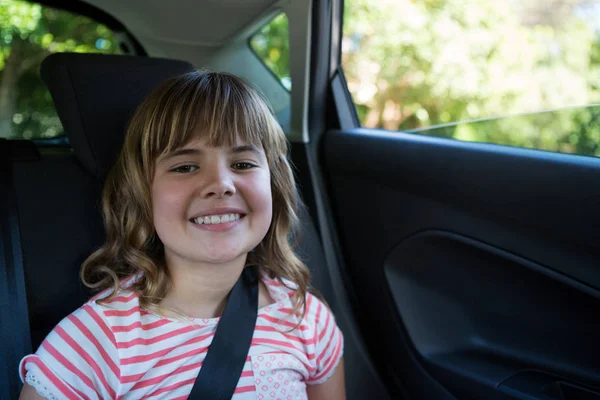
[227, 109]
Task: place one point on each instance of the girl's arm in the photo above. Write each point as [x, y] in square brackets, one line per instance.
[29, 393]
[332, 389]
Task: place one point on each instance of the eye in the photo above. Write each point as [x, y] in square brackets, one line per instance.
[184, 169]
[243, 165]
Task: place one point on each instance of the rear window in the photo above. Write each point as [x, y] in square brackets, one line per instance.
[29, 33]
[272, 45]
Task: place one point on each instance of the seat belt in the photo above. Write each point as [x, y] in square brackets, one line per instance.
[15, 339]
[228, 351]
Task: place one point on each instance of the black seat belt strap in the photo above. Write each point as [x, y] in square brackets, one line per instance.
[228, 351]
[15, 341]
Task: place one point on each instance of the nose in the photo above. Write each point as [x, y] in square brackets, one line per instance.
[219, 182]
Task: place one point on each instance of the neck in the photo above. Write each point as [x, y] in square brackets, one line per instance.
[201, 290]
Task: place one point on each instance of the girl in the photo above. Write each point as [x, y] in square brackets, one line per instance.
[201, 190]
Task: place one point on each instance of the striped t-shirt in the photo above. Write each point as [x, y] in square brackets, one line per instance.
[120, 351]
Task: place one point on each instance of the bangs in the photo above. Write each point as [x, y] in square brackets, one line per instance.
[217, 107]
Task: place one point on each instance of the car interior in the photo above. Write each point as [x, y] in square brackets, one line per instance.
[455, 270]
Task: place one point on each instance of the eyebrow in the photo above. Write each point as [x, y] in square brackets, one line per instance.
[183, 152]
[195, 152]
[245, 148]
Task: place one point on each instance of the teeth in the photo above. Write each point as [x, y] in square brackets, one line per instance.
[217, 219]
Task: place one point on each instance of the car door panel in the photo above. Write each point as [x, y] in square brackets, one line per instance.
[475, 262]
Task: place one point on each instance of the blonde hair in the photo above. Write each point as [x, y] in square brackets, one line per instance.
[227, 109]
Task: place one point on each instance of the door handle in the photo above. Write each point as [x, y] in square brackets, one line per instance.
[533, 385]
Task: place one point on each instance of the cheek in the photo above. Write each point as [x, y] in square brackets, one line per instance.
[166, 204]
[266, 196]
[260, 198]
[267, 206]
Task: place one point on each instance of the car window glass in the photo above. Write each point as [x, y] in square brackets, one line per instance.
[271, 44]
[518, 73]
[29, 32]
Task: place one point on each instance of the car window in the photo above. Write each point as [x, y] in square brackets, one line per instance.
[28, 33]
[271, 44]
[517, 73]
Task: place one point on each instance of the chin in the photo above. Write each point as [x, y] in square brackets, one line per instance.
[220, 257]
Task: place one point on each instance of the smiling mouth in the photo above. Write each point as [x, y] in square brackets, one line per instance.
[217, 219]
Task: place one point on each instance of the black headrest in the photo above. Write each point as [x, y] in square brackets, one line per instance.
[95, 96]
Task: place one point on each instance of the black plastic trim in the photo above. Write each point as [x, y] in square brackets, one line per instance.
[322, 116]
[346, 111]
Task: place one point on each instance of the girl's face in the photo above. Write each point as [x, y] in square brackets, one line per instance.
[211, 204]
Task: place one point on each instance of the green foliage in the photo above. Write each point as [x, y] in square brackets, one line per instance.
[499, 72]
[412, 65]
[28, 33]
[574, 130]
[272, 46]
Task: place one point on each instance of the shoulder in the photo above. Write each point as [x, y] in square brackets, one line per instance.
[318, 319]
[80, 356]
[111, 309]
[94, 320]
[116, 309]
[283, 290]
[280, 290]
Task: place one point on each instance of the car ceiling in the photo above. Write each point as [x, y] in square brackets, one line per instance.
[214, 34]
[185, 22]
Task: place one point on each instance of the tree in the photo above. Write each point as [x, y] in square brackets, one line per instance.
[411, 65]
[272, 45]
[29, 33]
